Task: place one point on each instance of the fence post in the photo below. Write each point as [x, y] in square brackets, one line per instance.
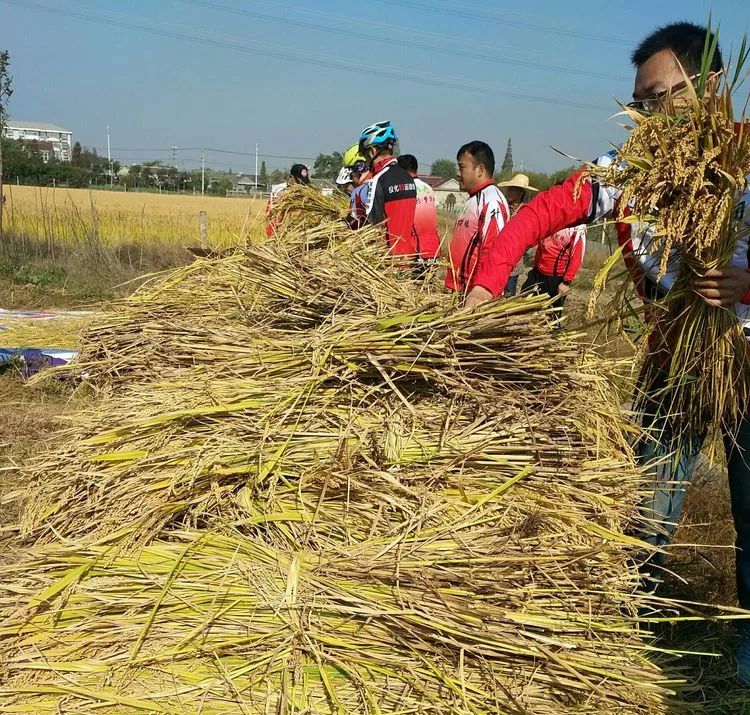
[204, 229]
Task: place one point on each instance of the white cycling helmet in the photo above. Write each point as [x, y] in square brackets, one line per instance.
[344, 177]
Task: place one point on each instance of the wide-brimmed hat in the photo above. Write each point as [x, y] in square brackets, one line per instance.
[519, 181]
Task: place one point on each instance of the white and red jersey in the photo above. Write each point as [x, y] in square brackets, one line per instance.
[583, 200]
[425, 221]
[358, 202]
[561, 254]
[484, 215]
[276, 190]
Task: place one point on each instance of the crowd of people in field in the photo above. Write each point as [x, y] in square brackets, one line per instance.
[497, 226]
[386, 189]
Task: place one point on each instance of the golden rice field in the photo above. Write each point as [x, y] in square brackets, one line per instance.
[68, 216]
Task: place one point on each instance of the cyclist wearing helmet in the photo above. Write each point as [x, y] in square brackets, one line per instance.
[392, 195]
[360, 173]
[344, 181]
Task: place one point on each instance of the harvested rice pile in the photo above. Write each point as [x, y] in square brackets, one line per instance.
[61, 333]
[312, 486]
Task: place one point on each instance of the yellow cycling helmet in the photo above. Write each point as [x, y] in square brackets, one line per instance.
[352, 156]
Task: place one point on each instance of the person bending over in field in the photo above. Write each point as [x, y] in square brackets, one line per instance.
[659, 61]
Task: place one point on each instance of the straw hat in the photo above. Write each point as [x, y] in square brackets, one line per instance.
[520, 181]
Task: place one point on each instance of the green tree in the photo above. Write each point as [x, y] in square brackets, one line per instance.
[263, 177]
[219, 186]
[75, 156]
[327, 166]
[277, 176]
[443, 167]
[6, 90]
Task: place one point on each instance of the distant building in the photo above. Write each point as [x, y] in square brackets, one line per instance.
[326, 186]
[448, 194]
[58, 142]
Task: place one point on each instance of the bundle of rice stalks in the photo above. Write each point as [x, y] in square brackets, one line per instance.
[347, 498]
[301, 207]
[682, 170]
[59, 332]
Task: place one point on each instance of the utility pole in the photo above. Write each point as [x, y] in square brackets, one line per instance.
[6, 89]
[203, 172]
[109, 160]
[174, 156]
[256, 169]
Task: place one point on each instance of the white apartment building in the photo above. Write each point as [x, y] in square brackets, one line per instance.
[50, 137]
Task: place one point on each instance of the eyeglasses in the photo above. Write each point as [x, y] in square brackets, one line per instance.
[652, 103]
[655, 101]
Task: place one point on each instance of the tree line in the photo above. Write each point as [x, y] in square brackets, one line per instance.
[24, 163]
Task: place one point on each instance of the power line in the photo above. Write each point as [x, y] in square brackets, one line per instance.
[402, 43]
[283, 53]
[390, 28]
[477, 15]
[213, 150]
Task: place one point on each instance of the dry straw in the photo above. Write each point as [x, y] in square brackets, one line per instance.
[301, 207]
[311, 485]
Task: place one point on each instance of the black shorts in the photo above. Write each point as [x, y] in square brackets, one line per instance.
[541, 283]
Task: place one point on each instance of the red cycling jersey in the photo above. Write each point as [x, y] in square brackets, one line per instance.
[483, 217]
[561, 254]
[425, 221]
[392, 200]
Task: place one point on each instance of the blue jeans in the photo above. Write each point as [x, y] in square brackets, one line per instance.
[671, 476]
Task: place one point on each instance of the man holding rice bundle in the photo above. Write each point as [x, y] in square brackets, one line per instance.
[672, 67]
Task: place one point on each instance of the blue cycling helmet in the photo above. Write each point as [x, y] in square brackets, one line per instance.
[380, 134]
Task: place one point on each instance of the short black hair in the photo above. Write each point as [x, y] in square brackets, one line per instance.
[409, 163]
[481, 152]
[686, 40]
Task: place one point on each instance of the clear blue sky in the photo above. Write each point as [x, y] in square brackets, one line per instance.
[205, 76]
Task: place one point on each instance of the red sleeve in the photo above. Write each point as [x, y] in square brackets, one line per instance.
[560, 207]
[576, 258]
[270, 228]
